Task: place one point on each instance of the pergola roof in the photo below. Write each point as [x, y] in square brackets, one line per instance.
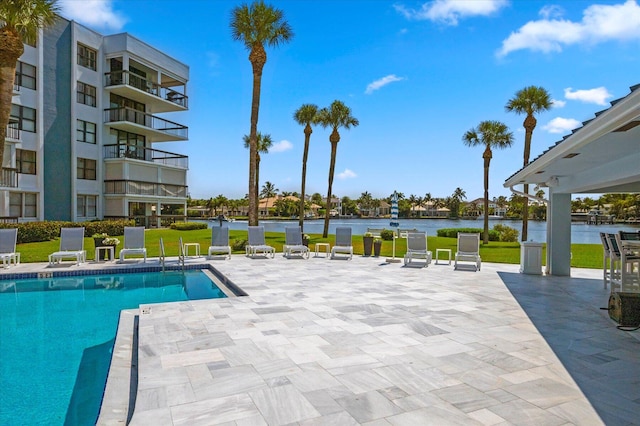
[602, 156]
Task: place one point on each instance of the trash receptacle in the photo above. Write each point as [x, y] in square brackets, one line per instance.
[531, 258]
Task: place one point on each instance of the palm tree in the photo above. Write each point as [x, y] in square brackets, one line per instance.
[336, 116]
[491, 134]
[269, 190]
[305, 116]
[427, 202]
[413, 200]
[530, 101]
[255, 25]
[20, 22]
[264, 142]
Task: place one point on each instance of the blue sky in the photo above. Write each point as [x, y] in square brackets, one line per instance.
[416, 74]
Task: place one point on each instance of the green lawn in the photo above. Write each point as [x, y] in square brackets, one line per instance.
[583, 255]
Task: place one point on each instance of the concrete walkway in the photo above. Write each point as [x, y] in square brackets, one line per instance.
[336, 342]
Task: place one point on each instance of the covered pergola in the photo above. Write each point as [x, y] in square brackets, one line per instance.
[602, 156]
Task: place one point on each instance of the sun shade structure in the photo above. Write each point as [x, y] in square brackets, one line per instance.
[602, 156]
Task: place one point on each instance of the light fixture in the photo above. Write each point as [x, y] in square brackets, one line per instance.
[553, 182]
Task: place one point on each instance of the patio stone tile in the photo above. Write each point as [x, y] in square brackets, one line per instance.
[368, 406]
[282, 405]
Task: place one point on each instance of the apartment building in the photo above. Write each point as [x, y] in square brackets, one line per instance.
[88, 118]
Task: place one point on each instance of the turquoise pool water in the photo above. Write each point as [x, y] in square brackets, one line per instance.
[56, 338]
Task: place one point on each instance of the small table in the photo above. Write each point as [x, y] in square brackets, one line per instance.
[185, 248]
[326, 249]
[107, 250]
[444, 250]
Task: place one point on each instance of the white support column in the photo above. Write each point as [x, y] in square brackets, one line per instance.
[559, 234]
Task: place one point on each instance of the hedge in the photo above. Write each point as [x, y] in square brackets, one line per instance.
[453, 232]
[188, 226]
[35, 232]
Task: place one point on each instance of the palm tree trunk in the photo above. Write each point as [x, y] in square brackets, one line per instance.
[257, 57]
[332, 166]
[257, 185]
[487, 159]
[529, 124]
[305, 154]
[12, 49]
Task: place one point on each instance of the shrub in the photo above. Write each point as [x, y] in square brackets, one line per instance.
[188, 226]
[35, 232]
[386, 234]
[109, 227]
[453, 233]
[506, 233]
[238, 245]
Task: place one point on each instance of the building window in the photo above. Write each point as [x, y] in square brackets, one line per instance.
[23, 204]
[25, 75]
[87, 57]
[26, 161]
[24, 116]
[86, 131]
[86, 94]
[86, 169]
[86, 206]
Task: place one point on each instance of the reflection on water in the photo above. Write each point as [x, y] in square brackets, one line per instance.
[580, 233]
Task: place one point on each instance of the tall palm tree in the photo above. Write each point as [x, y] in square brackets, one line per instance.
[255, 25]
[269, 190]
[263, 144]
[20, 22]
[530, 101]
[335, 116]
[413, 200]
[491, 134]
[305, 116]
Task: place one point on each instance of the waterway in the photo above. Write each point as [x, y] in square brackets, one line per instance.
[581, 233]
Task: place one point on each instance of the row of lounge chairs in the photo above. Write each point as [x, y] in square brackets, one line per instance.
[72, 245]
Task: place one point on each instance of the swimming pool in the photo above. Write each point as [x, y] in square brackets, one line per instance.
[57, 335]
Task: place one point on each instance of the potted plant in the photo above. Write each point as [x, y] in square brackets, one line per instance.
[367, 240]
[377, 245]
[104, 240]
[305, 240]
[97, 238]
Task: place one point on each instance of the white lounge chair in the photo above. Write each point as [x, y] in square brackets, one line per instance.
[257, 243]
[133, 242]
[343, 242]
[71, 246]
[293, 243]
[8, 254]
[219, 242]
[468, 249]
[417, 248]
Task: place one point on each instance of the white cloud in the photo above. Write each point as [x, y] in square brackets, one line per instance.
[551, 11]
[372, 87]
[557, 103]
[451, 11]
[93, 13]
[561, 125]
[347, 174]
[599, 23]
[283, 145]
[597, 96]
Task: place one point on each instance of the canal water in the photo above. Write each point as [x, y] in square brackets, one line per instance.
[581, 233]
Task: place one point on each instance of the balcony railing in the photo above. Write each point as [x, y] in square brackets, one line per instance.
[144, 119]
[146, 154]
[152, 221]
[134, 187]
[13, 132]
[9, 178]
[116, 78]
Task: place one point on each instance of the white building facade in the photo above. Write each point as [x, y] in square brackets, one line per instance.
[88, 115]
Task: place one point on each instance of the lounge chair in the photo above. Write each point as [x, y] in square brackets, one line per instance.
[343, 243]
[8, 254]
[257, 243]
[219, 242]
[293, 243]
[71, 246]
[606, 259]
[417, 248]
[468, 249]
[133, 242]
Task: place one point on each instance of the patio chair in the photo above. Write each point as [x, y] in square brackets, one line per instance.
[133, 242]
[8, 254]
[417, 248]
[293, 243]
[468, 249]
[606, 259]
[622, 264]
[219, 242]
[257, 243]
[71, 246]
[343, 243]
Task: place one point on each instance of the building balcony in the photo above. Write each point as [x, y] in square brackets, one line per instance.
[16, 89]
[154, 128]
[151, 189]
[155, 156]
[160, 98]
[8, 178]
[13, 133]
